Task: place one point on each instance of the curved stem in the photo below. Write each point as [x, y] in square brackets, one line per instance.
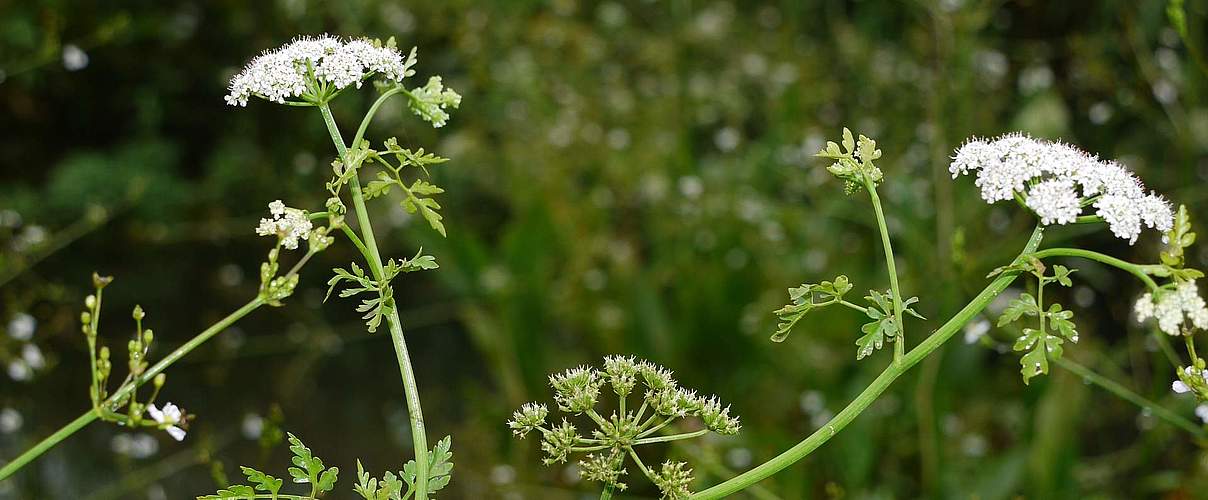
[372, 111]
[1138, 270]
[874, 389]
[899, 345]
[1124, 393]
[419, 437]
[12, 467]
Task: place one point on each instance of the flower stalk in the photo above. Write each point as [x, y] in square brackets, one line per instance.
[373, 257]
[878, 385]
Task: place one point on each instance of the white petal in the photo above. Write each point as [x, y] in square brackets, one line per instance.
[176, 432]
[156, 415]
[1179, 387]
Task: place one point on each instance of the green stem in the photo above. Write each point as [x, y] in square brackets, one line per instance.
[411, 389]
[874, 389]
[1138, 270]
[672, 437]
[1191, 349]
[356, 240]
[899, 346]
[372, 111]
[596, 417]
[17, 463]
[607, 493]
[857, 307]
[641, 465]
[654, 429]
[1124, 393]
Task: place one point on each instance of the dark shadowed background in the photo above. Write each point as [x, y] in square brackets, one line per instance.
[626, 177]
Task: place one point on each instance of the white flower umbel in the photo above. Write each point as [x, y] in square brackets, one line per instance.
[167, 418]
[1056, 180]
[1174, 308]
[290, 224]
[309, 66]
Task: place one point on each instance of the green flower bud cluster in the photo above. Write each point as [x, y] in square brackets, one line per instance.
[109, 406]
[662, 402]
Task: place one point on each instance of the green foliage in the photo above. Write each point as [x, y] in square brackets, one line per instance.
[1043, 344]
[262, 481]
[430, 101]
[376, 308]
[440, 467]
[1040, 348]
[1025, 303]
[417, 194]
[370, 488]
[854, 161]
[390, 487]
[1179, 238]
[806, 298]
[884, 326]
[306, 469]
[309, 469]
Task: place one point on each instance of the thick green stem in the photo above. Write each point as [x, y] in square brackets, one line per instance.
[607, 493]
[874, 389]
[1124, 393]
[899, 346]
[411, 389]
[1137, 270]
[10, 468]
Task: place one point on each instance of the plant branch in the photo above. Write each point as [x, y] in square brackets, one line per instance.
[1138, 270]
[411, 389]
[17, 463]
[878, 385]
[672, 437]
[898, 345]
[1124, 393]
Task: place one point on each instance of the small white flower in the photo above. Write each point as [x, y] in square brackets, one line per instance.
[22, 326]
[1056, 179]
[1202, 412]
[1175, 308]
[1179, 387]
[1122, 214]
[167, 419]
[1144, 307]
[292, 70]
[1055, 201]
[290, 224]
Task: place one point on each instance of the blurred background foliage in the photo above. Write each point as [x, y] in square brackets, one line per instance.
[628, 176]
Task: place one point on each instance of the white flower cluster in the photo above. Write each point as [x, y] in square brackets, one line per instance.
[290, 224]
[167, 418]
[1055, 179]
[1180, 387]
[1173, 308]
[288, 71]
